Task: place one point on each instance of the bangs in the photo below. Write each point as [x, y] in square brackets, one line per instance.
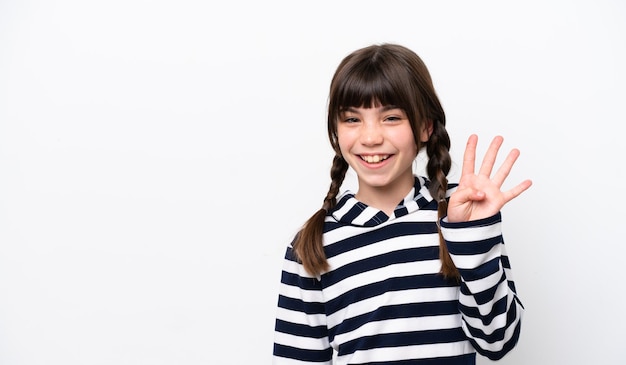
[368, 88]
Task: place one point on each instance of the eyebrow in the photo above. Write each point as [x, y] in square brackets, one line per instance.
[389, 107]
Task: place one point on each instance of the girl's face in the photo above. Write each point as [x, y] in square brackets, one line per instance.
[378, 143]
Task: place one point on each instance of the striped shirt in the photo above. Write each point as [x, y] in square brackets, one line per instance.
[382, 300]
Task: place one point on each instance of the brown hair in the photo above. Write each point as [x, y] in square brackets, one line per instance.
[385, 74]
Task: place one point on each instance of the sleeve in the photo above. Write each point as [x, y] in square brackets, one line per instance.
[490, 308]
[301, 334]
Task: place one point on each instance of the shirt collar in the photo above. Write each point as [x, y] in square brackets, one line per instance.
[351, 211]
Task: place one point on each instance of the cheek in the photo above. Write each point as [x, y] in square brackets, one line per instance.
[344, 147]
[413, 145]
[345, 140]
[404, 140]
[411, 148]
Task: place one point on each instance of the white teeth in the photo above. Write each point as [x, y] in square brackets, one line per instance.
[374, 158]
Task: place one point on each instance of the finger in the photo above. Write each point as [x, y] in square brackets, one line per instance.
[505, 169]
[517, 190]
[490, 156]
[469, 157]
[463, 196]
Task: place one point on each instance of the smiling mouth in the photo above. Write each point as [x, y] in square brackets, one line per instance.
[374, 158]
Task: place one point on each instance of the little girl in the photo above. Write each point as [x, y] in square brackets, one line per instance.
[409, 269]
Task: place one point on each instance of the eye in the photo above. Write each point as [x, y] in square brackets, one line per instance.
[394, 119]
[394, 115]
[350, 120]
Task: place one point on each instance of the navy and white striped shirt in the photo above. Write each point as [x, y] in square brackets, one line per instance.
[383, 301]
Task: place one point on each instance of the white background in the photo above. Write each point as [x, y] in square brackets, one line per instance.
[157, 156]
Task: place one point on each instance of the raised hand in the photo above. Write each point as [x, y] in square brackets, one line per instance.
[479, 195]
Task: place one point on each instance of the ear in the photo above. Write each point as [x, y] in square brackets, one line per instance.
[427, 130]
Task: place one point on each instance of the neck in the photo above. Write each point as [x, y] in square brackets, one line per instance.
[385, 198]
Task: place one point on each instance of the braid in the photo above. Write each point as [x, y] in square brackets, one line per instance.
[439, 162]
[337, 174]
[308, 245]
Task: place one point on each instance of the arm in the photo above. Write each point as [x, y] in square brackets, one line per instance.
[490, 309]
[300, 331]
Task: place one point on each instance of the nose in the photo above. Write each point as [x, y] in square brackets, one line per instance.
[371, 134]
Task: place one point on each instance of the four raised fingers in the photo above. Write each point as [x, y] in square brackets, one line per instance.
[486, 168]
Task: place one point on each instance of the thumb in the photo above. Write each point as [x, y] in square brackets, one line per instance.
[466, 195]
